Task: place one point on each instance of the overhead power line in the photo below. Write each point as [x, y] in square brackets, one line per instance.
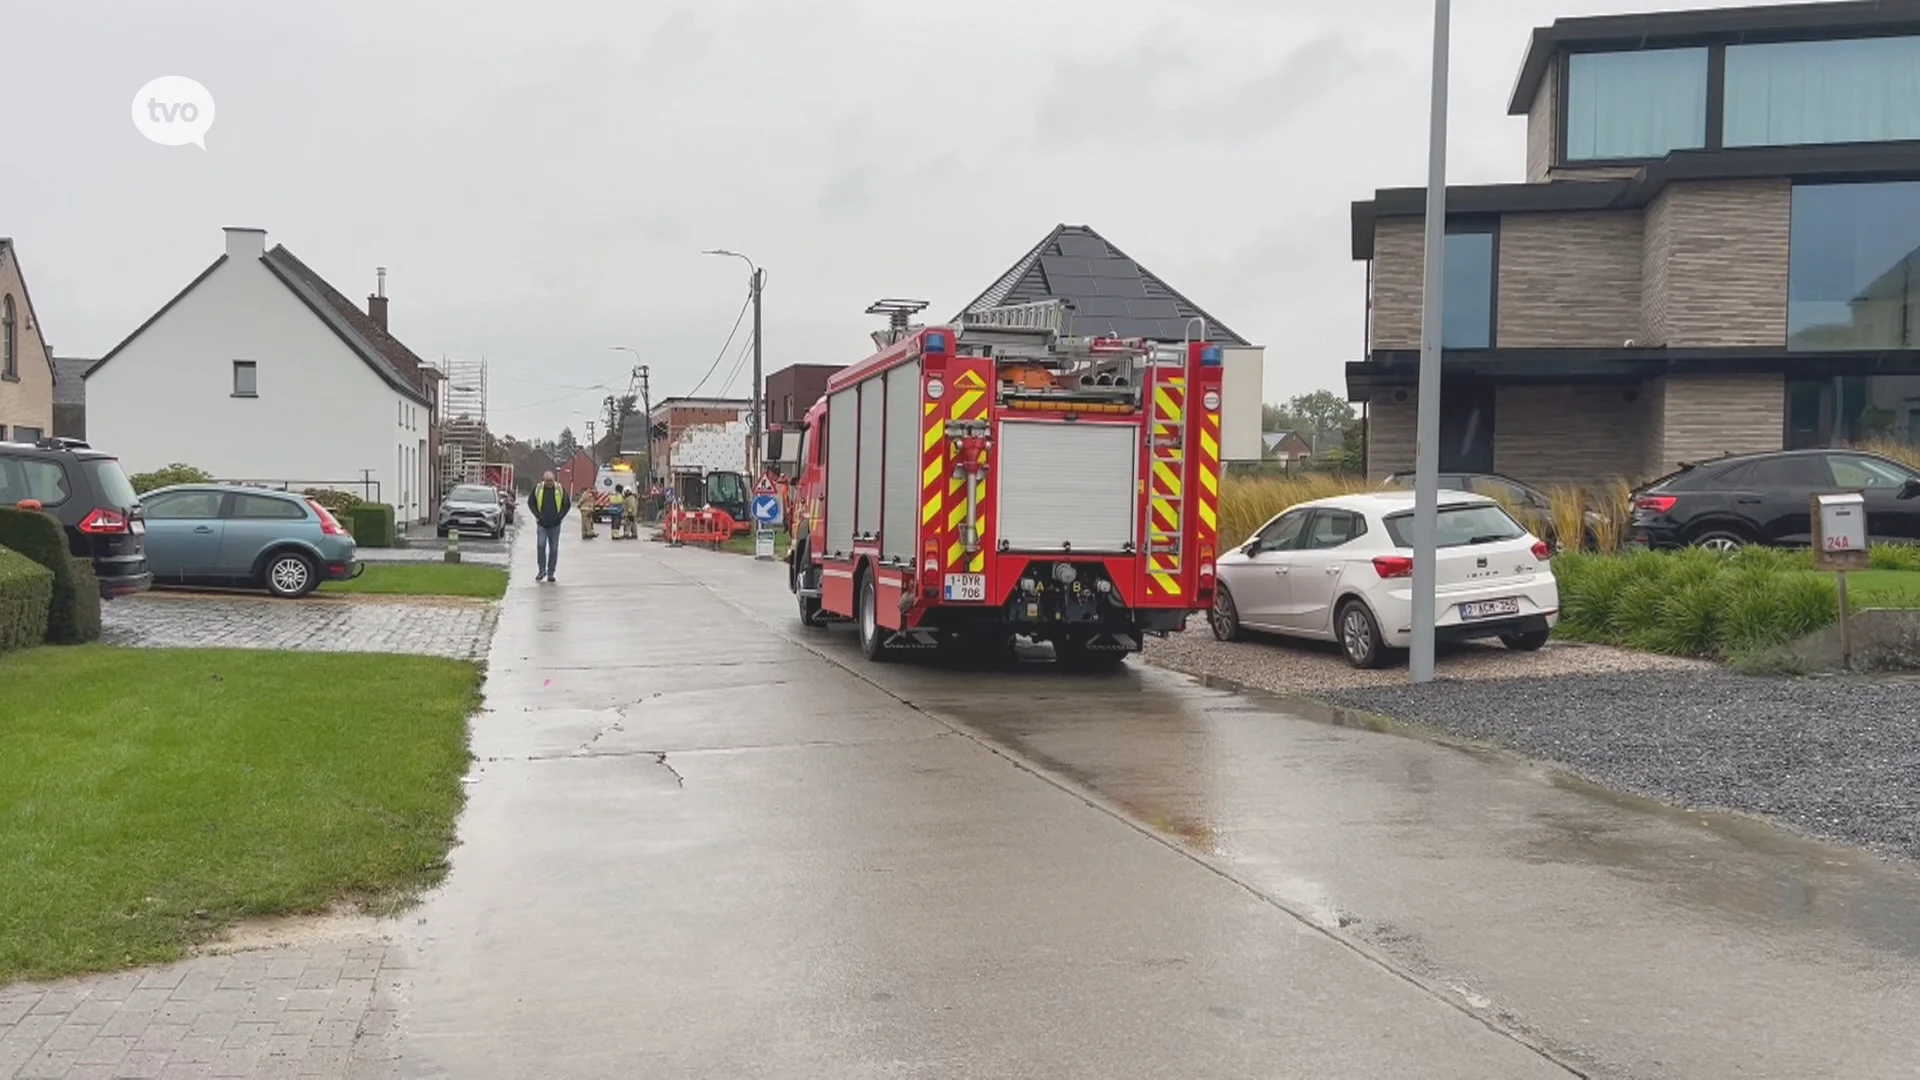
[737, 320]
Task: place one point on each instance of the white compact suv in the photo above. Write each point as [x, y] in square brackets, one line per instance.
[1341, 569]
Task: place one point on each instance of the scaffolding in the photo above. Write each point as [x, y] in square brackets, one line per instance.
[463, 421]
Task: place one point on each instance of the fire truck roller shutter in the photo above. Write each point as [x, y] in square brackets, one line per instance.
[1067, 483]
[866, 515]
[843, 437]
[900, 505]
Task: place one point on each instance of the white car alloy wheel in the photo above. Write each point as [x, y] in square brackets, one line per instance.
[1359, 637]
[290, 575]
[1225, 617]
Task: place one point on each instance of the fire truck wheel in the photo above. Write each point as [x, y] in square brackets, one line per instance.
[1225, 617]
[810, 612]
[868, 608]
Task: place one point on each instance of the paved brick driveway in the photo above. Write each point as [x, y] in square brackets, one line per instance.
[324, 1010]
[458, 629]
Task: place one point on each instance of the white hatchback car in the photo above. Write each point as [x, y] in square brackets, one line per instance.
[1341, 569]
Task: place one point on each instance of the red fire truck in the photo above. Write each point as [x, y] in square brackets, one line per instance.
[1000, 478]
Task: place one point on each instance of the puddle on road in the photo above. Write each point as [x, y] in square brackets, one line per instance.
[1182, 756]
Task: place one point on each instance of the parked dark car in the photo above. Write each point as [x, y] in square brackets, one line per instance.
[88, 493]
[1766, 499]
[221, 534]
[1529, 506]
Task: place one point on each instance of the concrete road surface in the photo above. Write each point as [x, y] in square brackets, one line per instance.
[706, 842]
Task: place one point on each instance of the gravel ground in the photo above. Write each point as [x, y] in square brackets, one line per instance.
[1835, 757]
[1289, 667]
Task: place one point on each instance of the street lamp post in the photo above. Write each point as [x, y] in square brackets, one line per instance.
[1426, 461]
[756, 283]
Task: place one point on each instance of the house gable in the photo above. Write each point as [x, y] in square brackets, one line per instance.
[26, 395]
[392, 361]
[13, 278]
[1110, 293]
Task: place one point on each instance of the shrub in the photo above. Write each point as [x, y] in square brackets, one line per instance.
[340, 502]
[26, 593]
[82, 605]
[71, 617]
[372, 525]
[1693, 603]
[175, 473]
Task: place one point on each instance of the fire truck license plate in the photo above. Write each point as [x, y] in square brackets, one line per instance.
[967, 587]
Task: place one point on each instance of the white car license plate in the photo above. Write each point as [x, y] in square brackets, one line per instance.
[1489, 609]
[967, 587]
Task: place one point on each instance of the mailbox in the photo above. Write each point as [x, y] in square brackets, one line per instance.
[1840, 531]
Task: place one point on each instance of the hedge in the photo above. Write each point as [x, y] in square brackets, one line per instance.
[26, 592]
[372, 525]
[74, 613]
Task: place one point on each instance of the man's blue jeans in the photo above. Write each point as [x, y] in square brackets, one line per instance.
[546, 549]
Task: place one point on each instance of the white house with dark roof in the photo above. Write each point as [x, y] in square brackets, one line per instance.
[261, 371]
[1112, 295]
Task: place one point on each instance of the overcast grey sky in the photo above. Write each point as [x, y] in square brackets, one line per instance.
[539, 178]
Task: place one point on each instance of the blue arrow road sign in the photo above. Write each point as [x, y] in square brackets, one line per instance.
[766, 509]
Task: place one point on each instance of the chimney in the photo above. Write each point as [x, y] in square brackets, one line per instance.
[377, 303]
[246, 243]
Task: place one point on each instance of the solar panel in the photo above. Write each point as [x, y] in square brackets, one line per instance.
[1150, 309]
[1131, 288]
[1113, 268]
[1058, 266]
[1083, 246]
[1072, 286]
[1103, 307]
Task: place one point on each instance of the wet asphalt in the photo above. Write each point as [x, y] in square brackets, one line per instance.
[704, 841]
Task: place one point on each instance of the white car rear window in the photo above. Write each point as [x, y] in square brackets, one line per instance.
[1458, 526]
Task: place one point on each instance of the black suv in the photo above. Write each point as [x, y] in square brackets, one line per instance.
[88, 492]
[1767, 499]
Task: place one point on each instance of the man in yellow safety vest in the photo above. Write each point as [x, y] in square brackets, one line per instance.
[549, 505]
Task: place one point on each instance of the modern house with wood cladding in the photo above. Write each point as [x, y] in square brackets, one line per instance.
[1716, 250]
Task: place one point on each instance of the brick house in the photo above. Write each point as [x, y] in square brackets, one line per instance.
[26, 361]
[1716, 250]
[791, 391]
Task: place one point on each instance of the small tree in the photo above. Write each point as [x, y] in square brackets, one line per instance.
[176, 473]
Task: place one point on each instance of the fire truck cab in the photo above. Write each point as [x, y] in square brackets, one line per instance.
[1000, 478]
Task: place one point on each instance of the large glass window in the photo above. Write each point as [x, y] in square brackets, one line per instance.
[1467, 318]
[1853, 269]
[1641, 104]
[1799, 92]
[1853, 410]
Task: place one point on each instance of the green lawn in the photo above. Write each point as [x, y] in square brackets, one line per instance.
[425, 579]
[1882, 588]
[148, 797]
[743, 545]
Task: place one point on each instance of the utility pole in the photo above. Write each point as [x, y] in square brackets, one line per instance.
[1426, 458]
[756, 284]
[753, 451]
[646, 411]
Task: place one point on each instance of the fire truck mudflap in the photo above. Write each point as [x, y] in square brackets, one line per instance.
[967, 485]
